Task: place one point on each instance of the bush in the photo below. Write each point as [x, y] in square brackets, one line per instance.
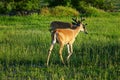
[14, 6]
[53, 3]
[59, 11]
[2, 7]
[92, 11]
[88, 10]
[64, 11]
[45, 11]
[101, 4]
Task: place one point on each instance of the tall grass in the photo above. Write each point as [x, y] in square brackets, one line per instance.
[24, 43]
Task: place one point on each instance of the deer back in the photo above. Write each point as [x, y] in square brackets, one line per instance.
[60, 25]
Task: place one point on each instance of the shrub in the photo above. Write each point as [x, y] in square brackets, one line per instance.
[59, 11]
[64, 11]
[101, 4]
[92, 11]
[53, 3]
[88, 10]
[1, 7]
[45, 11]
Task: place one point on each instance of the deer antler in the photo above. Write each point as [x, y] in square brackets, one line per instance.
[75, 21]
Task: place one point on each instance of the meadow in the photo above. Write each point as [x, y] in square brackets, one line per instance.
[25, 40]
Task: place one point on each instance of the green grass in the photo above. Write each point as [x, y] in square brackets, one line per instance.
[24, 43]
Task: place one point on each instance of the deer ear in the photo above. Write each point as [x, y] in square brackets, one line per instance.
[73, 19]
[73, 23]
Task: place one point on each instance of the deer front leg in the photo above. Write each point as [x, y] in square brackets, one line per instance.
[68, 47]
[71, 51]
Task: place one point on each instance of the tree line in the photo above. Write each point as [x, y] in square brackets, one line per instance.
[13, 7]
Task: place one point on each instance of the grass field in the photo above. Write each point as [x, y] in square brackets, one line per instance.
[24, 43]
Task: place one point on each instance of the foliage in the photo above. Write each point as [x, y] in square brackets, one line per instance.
[64, 11]
[53, 3]
[59, 11]
[45, 11]
[25, 7]
[1, 7]
[101, 4]
[92, 11]
[6, 8]
[19, 5]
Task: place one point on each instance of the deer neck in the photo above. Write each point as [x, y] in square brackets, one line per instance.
[77, 30]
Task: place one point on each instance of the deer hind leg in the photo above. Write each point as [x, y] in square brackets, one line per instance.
[70, 51]
[60, 53]
[51, 47]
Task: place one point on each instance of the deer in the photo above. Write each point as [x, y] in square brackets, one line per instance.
[66, 37]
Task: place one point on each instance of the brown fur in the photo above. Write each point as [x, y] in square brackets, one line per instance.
[60, 25]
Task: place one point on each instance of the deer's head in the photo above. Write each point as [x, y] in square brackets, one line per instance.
[79, 23]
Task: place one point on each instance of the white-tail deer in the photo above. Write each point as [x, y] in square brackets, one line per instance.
[65, 37]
